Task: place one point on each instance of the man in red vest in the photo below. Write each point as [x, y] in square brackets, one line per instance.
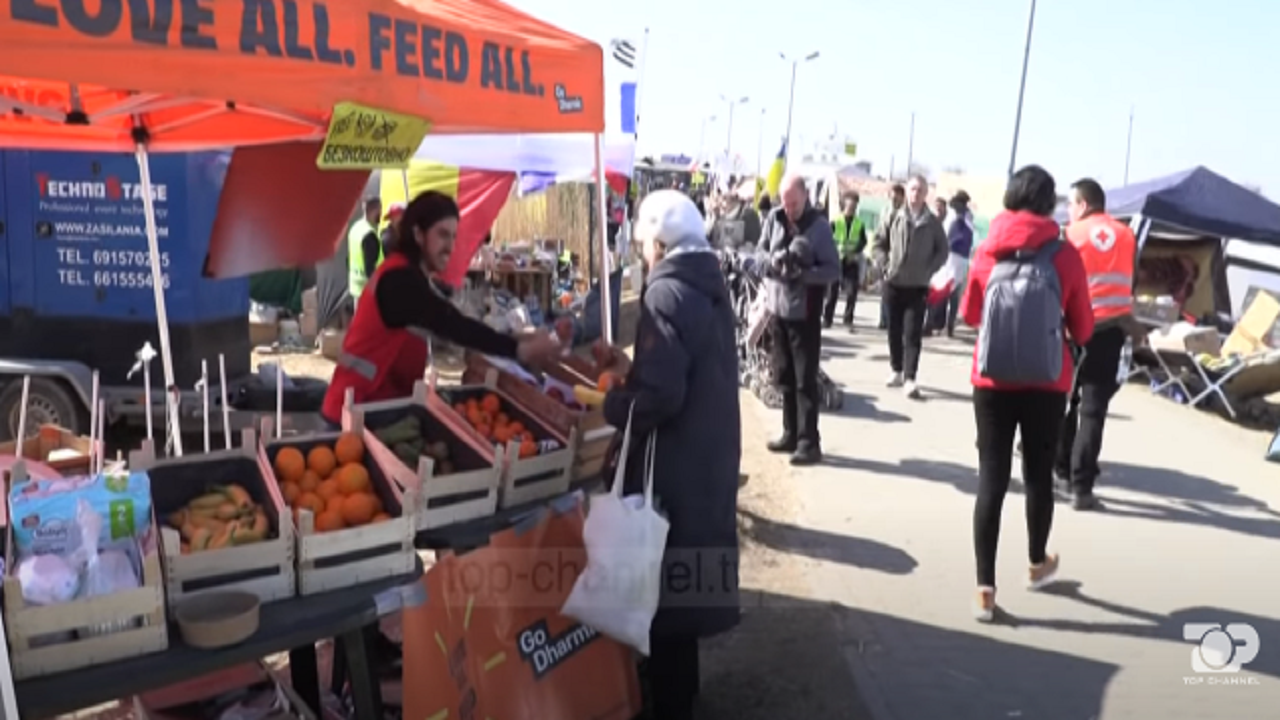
[1109, 251]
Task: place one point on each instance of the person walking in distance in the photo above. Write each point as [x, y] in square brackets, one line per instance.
[802, 263]
[364, 249]
[959, 228]
[940, 205]
[1024, 285]
[1109, 251]
[897, 198]
[851, 240]
[911, 247]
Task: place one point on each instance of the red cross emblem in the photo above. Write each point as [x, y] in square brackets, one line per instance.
[1103, 239]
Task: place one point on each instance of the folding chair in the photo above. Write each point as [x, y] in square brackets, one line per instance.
[1163, 358]
[1214, 380]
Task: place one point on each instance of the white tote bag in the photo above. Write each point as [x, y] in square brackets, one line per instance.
[618, 592]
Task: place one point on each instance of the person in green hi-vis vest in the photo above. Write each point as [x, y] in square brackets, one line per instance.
[851, 239]
[364, 248]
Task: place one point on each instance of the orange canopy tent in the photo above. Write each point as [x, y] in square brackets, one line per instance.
[160, 75]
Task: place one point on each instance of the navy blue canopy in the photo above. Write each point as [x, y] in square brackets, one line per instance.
[1201, 201]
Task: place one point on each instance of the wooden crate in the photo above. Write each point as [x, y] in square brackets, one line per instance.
[264, 568]
[175, 702]
[72, 452]
[331, 560]
[524, 480]
[595, 434]
[442, 499]
[44, 640]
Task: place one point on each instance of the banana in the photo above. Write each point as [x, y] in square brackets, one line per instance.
[208, 501]
[212, 523]
[222, 538]
[188, 531]
[260, 523]
[238, 496]
[177, 519]
[200, 539]
[227, 511]
[588, 396]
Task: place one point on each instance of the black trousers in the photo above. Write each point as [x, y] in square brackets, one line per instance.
[799, 349]
[674, 677]
[1000, 414]
[907, 307]
[849, 280]
[1080, 444]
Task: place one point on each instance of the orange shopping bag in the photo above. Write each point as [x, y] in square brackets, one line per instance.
[490, 641]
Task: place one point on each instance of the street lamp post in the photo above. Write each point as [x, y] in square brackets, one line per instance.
[760, 145]
[702, 140]
[728, 150]
[791, 103]
[1022, 89]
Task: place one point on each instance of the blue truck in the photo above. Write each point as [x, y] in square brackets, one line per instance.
[76, 289]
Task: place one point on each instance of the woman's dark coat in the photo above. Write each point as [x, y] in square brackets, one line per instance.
[684, 385]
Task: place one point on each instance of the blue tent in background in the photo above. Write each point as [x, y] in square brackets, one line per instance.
[1201, 202]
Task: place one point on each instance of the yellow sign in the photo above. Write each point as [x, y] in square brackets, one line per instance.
[365, 138]
[850, 148]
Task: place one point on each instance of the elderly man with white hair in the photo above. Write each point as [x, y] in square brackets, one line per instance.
[803, 263]
[682, 391]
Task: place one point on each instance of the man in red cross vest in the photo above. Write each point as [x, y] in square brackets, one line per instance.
[1109, 251]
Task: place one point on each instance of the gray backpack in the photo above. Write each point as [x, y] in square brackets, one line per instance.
[1020, 340]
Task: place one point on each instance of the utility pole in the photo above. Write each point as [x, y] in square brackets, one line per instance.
[728, 148]
[1128, 148]
[1022, 90]
[911, 143]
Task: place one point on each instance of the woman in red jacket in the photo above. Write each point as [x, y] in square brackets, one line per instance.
[1002, 410]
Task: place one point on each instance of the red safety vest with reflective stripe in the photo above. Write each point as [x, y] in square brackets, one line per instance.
[378, 362]
[1109, 250]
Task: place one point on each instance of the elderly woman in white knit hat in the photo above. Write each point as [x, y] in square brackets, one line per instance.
[683, 386]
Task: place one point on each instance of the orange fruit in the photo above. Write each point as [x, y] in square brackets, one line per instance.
[310, 501]
[607, 381]
[503, 419]
[329, 521]
[310, 481]
[321, 460]
[380, 517]
[502, 433]
[517, 428]
[377, 503]
[491, 404]
[358, 509]
[349, 448]
[290, 464]
[460, 409]
[328, 489]
[291, 492]
[352, 479]
[528, 448]
[485, 431]
[333, 504]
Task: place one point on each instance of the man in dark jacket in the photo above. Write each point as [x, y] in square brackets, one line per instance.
[682, 387]
[802, 264]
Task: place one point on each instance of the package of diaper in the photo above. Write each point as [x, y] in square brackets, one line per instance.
[43, 512]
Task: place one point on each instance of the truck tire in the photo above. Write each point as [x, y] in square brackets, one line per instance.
[50, 402]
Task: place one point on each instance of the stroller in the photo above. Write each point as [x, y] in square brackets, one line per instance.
[756, 333]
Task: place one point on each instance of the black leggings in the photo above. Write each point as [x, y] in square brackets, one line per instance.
[1000, 414]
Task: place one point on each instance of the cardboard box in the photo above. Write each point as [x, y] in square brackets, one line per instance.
[331, 343]
[307, 325]
[1253, 333]
[263, 333]
[1184, 336]
[310, 301]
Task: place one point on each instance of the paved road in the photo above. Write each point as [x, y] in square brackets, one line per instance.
[883, 531]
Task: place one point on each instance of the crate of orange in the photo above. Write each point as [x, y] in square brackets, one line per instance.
[354, 523]
[553, 402]
[537, 460]
[224, 524]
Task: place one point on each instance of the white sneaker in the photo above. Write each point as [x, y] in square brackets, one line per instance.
[911, 390]
[894, 381]
[1042, 575]
[984, 605]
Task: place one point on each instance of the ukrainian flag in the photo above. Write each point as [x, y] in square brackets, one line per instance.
[776, 171]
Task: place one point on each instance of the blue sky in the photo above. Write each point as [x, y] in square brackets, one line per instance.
[1200, 76]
